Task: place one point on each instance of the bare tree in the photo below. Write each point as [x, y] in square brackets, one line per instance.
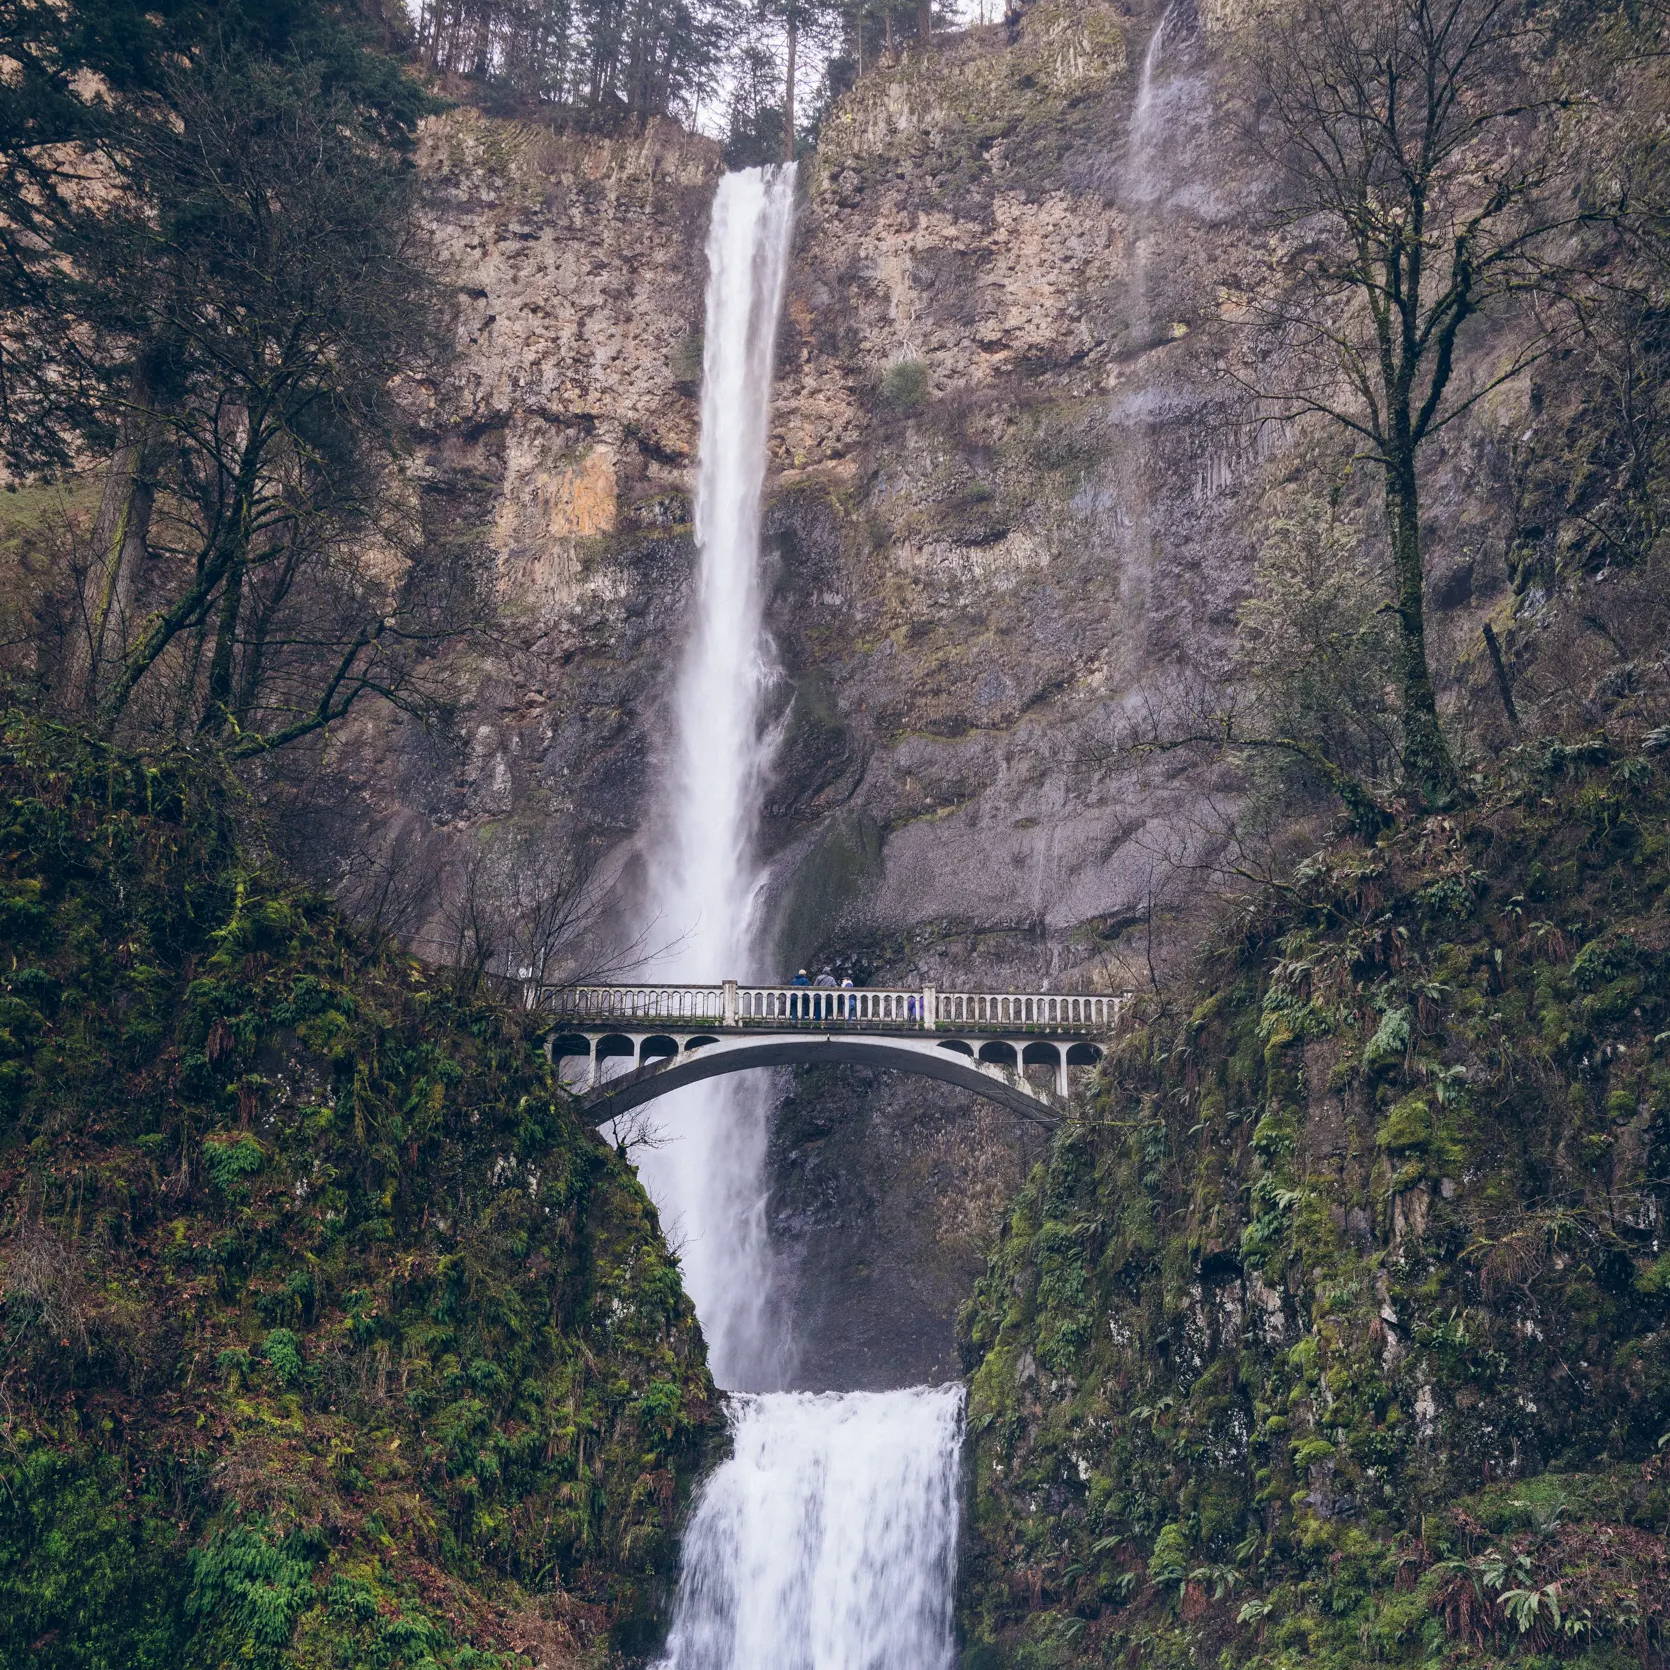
[1426, 157]
[524, 911]
[387, 882]
[471, 926]
[1206, 718]
[639, 1132]
[1314, 649]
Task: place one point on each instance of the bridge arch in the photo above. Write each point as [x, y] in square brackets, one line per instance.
[1002, 1080]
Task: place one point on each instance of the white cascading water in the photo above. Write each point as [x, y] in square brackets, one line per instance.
[708, 1178]
[827, 1540]
[1140, 185]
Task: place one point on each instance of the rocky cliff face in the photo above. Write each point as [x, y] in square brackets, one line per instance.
[1012, 515]
[550, 465]
[964, 524]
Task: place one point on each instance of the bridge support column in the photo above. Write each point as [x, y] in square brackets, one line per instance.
[930, 1008]
[730, 1003]
[1063, 1085]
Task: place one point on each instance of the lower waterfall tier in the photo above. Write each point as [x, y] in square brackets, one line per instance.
[828, 1540]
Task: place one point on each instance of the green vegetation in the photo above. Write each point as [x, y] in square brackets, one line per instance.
[1338, 1332]
[218, 321]
[904, 388]
[329, 1336]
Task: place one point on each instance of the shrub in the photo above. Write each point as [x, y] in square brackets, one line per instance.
[904, 387]
[230, 1162]
[283, 1352]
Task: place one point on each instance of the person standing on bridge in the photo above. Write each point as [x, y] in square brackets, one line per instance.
[849, 1005]
[824, 1007]
[797, 1003]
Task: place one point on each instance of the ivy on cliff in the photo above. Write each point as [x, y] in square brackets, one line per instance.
[328, 1334]
[1338, 1332]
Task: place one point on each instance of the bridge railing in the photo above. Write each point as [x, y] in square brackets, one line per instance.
[1028, 1011]
[818, 1005]
[731, 1004]
[704, 1005]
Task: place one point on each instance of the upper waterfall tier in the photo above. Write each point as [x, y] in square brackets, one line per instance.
[709, 1178]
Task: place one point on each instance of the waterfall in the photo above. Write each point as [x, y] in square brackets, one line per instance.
[708, 1178]
[1143, 111]
[827, 1540]
[1140, 184]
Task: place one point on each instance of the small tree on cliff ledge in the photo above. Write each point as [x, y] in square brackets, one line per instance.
[1423, 148]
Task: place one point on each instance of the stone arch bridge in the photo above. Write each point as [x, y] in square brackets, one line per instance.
[623, 1046]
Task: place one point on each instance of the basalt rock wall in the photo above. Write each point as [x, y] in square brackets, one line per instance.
[1012, 517]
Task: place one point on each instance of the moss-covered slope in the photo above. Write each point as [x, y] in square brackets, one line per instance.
[330, 1336]
[1339, 1332]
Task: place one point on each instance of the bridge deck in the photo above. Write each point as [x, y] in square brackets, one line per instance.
[731, 1007]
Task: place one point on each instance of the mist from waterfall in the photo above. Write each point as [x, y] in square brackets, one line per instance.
[708, 1177]
[827, 1540]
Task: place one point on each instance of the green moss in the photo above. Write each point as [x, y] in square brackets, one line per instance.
[331, 1336]
[1329, 1386]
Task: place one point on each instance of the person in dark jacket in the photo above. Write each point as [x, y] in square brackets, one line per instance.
[798, 1004]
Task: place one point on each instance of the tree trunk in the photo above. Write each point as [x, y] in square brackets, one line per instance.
[925, 20]
[1428, 769]
[1504, 685]
[119, 541]
[788, 90]
[217, 701]
[437, 37]
[215, 565]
